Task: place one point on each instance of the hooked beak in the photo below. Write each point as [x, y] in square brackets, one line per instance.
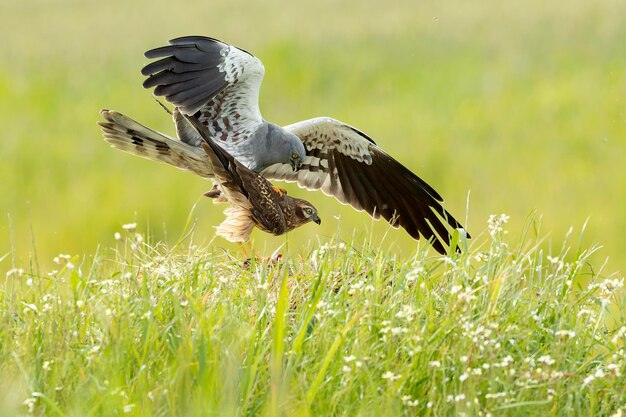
[317, 220]
[295, 164]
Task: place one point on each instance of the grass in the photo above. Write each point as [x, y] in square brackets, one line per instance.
[144, 329]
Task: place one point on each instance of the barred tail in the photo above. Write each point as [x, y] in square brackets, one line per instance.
[130, 136]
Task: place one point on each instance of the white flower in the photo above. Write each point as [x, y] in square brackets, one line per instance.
[117, 236]
[620, 333]
[15, 271]
[615, 368]
[495, 395]
[588, 380]
[546, 359]
[435, 364]
[129, 408]
[554, 260]
[129, 226]
[30, 403]
[565, 333]
[391, 376]
[349, 358]
[346, 369]
[463, 376]
[495, 223]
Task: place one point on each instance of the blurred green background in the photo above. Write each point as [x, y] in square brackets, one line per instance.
[520, 104]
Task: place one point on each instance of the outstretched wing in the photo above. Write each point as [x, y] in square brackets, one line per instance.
[216, 82]
[346, 164]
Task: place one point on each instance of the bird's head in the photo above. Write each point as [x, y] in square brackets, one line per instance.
[305, 212]
[297, 153]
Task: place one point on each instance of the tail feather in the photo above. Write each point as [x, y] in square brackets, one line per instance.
[237, 226]
[130, 136]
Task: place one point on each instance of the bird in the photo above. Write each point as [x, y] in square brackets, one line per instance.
[253, 200]
[217, 85]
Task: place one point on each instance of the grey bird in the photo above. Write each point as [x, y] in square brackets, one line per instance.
[218, 85]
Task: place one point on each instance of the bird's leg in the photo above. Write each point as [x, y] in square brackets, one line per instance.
[245, 248]
[279, 190]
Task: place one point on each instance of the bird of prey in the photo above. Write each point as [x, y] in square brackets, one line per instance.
[218, 85]
[253, 200]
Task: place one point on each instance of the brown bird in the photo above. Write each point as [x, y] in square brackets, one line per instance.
[253, 200]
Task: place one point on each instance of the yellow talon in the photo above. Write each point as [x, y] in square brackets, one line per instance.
[245, 248]
[279, 190]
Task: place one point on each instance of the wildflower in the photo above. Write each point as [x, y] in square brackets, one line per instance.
[620, 334]
[406, 400]
[117, 235]
[546, 359]
[455, 289]
[588, 379]
[30, 403]
[414, 274]
[346, 369]
[495, 395]
[80, 303]
[565, 333]
[495, 223]
[554, 260]
[129, 226]
[30, 307]
[615, 368]
[46, 365]
[463, 376]
[391, 376]
[15, 271]
[349, 359]
[435, 364]
[129, 408]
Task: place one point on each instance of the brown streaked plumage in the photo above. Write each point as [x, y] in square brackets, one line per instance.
[253, 200]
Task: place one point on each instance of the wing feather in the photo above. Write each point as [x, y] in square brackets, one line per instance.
[216, 82]
[345, 163]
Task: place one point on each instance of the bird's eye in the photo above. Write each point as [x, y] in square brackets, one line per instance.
[295, 156]
[308, 211]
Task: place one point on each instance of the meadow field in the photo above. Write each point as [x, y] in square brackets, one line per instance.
[503, 107]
